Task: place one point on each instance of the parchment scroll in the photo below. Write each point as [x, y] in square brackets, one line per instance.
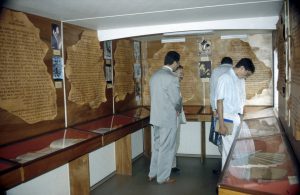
[26, 88]
[85, 72]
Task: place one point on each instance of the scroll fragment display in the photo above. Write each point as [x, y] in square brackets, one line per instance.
[85, 72]
[26, 89]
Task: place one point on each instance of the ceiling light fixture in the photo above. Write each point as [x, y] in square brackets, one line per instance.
[192, 32]
[234, 36]
[172, 39]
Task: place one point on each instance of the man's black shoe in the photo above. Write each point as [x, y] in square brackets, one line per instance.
[216, 172]
[175, 170]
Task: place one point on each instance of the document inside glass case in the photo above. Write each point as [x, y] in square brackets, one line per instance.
[261, 162]
[28, 150]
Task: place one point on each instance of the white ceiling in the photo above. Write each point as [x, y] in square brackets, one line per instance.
[117, 16]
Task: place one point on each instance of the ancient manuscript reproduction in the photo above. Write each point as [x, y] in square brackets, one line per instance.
[84, 70]
[26, 89]
[190, 85]
[124, 57]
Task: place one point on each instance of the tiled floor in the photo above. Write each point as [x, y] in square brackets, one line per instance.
[194, 179]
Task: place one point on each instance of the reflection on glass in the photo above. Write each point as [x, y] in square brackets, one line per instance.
[106, 124]
[139, 113]
[269, 168]
[262, 127]
[28, 150]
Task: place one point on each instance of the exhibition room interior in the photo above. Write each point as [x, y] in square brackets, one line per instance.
[75, 101]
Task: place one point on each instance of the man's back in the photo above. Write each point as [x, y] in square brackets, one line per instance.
[216, 73]
[231, 90]
[165, 98]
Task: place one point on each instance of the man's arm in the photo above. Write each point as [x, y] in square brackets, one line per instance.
[222, 128]
[174, 94]
[212, 93]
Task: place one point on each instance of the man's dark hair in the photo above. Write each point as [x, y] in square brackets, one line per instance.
[226, 60]
[170, 57]
[179, 67]
[247, 63]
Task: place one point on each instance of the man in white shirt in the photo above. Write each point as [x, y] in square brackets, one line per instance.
[226, 64]
[230, 97]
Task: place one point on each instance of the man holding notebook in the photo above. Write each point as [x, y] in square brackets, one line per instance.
[230, 97]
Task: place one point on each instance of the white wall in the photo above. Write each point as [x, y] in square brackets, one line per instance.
[137, 143]
[55, 182]
[190, 140]
[211, 149]
[102, 163]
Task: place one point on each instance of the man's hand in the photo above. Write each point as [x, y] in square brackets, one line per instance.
[223, 130]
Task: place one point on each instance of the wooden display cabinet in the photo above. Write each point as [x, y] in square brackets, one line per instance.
[260, 163]
[142, 113]
[264, 126]
[114, 127]
[117, 128]
[10, 174]
[46, 152]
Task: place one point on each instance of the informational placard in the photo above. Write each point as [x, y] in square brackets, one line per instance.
[137, 71]
[57, 68]
[84, 70]
[108, 73]
[56, 42]
[137, 51]
[205, 69]
[26, 88]
[107, 46]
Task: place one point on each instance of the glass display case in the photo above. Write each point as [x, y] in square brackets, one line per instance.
[261, 127]
[7, 165]
[263, 113]
[192, 109]
[261, 123]
[260, 163]
[112, 127]
[42, 153]
[192, 112]
[141, 114]
[198, 113]
[37, 147]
